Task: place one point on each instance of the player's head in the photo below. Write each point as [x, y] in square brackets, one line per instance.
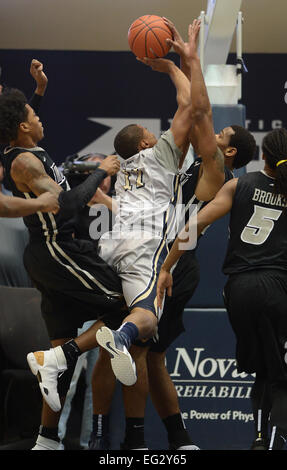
[237, 144]
[17, 119]
[274, 148]
[132, 139]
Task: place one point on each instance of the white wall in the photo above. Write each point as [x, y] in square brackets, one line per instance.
[103, 24]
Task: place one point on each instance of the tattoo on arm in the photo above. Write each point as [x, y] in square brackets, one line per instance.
[29, 174]
[219, 160]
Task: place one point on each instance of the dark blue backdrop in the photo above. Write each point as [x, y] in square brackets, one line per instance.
[116, 85]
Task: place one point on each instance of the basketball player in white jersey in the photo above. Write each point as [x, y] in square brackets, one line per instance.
[148, 189]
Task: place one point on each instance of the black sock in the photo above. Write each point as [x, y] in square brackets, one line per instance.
[49, 433]
[71, 351]
[177, 433]
[134, 437]
[101, 426]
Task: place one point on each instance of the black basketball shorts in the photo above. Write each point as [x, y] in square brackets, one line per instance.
[76, 286]
[256, 305]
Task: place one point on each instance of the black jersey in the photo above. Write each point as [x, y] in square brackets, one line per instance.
[41, 226]
[258, 226]
[189, 181]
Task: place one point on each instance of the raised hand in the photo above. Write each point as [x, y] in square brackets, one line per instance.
[186, 50]
[177, 42]
[190, 48]
[37, 72]
[110, 164]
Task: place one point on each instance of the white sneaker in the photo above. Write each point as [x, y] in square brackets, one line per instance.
[47, 365]
[43, 443]
[121, 361]
[188, 447]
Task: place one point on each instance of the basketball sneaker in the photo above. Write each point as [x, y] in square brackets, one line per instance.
[43, 443]
[187, 446]
[121, 361]
[47, 365]
[259, 444]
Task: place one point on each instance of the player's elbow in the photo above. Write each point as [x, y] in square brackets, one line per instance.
[199, 114]
[5, 210]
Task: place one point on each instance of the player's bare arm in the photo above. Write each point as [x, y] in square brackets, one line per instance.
[11, 206]
[203, 130]
[37, 72]
[181, 123]
[29, 175]
[180, 81]
[217, 208]
[202, 133]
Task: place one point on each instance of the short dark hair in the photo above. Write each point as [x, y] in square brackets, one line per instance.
[127, 141]
[245, 145]
[13, 111]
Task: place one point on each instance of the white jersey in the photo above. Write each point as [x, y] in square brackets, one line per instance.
[147, 189]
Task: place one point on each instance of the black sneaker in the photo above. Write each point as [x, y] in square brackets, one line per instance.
[259, 444]
[98, 443]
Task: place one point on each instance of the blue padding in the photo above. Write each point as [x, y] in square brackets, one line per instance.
[212, 247]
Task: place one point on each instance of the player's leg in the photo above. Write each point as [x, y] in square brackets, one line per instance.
[48, 438]
[135, 398]
[261, 406]
[278, 415]
[60, 360]
[139, 324]
[103, 387]
[256, 305]
[165, 400]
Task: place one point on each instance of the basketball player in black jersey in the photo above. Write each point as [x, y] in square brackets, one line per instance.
[256, 291]
[17, 207]
[75, 283]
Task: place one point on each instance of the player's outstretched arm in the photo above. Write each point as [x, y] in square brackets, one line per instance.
[181, 123]
[217, 208]
[203, 130]
[37, 72]
[180, 81]
[16, 207]
[29, 175]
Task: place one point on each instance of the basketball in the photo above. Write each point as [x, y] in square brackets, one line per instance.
[149, 32]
